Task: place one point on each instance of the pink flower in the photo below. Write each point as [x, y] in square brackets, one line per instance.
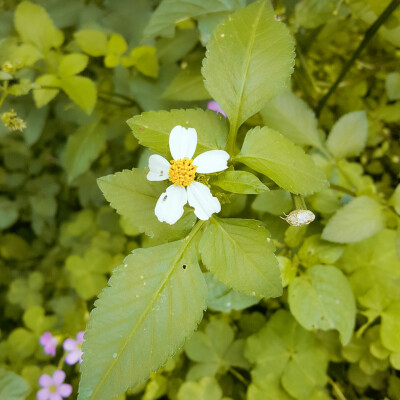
[213, 105]
[49, 342]
[53, 386]
[73, 348]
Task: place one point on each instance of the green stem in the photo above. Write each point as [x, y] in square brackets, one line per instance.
[369, 34]
[343, 190]
[230, 144]
[336, 389]
[299, 202]
[239, 376]
[5, 93]
[61, 362]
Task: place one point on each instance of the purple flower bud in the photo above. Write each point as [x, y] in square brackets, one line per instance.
[213, 105]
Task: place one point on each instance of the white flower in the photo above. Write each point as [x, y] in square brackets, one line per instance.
[181, 171]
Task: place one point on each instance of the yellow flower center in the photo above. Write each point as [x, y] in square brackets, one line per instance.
[182, 172]
[52, 388]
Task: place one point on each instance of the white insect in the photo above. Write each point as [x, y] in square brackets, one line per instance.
[299, 217]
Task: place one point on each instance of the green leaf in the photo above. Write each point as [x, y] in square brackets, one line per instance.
[34, 318]
[349, 135]
[34, 25]
[116, 44]
[241, 255]
[390, 327]
[83, 147]
[80, 90]
[152, 128]
[249, 60]
[239, 182]
[92, 42]
[205, 389]
[322, 299]
[44, 96]
[13, 386]
[149, 308]
[395, 199]
[134, 197]
[275, 156]
[291, 116]
[169, 12]
[72, 64]
[286, 350]
[144, 59]
[393, 85]
[8, 212]
[276, 202]
[268, 388]
[361, 218]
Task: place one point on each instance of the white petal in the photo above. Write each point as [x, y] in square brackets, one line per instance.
[204, 203]
[182, 142]
[211, 161]
[159, 168]
[169, 207]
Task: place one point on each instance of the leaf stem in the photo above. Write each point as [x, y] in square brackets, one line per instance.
[343, 190]
[369, 34]
[239, 376]
[5, 93]
[299, 202]
[336, 389]
[230, 144]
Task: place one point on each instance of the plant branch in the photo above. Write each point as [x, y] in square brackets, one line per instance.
[339, 394]
[343, 190]
[369, 34]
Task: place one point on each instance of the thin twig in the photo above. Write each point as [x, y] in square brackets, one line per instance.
[369, 34]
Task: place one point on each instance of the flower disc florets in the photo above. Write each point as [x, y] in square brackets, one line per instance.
[182, 172]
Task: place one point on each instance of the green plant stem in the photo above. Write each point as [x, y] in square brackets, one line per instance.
[230, 144]
[339, 394]
[239, 376]
[299, 202]
[5, 93]
[343, 190]
[369, 34]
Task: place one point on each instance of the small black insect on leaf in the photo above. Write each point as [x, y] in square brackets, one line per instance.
[184, 266]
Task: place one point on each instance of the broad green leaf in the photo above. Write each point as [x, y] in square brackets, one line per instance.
[268, 388]
[225, 299]
[276, 202]
[206, 389]
[144, 59]
[44, 96]
[361, 218]
[13, 386]
[390, 327]
[72, 64]
[116, 44]
[134, 197]
[35, 319]
[284, 349]
[249, 60]
[275, 156]
[241, 255]
[92, 42]
[169, 12]
[239, 182]
[34, 25]
[149, 308]
[83, 147]
[322, 299]
[152, 128]
[80, 90]
[349, 135]
[291, 116]
[188, 85]
[8, 212]
[393, 85]
[21, 344]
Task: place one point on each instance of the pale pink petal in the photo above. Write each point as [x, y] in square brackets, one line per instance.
[45, 380]
[45, 338]
[182, 142]
[70, 344]
[214, 106]
[159, 168]
[79, 336]
[43, 394]
[204, 203]
[211, 161]
[169, 207]
[58, 377]
[73, 357]
[65, 390]
[55, 396]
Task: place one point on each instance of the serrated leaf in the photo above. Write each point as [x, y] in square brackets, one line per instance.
[72, 64]
[275, 156]
[249, 60]
[152, 128]
[240, 254]
[169, 12]
[13, 386]
[83, 147]
[349, 135]
[361, 218]
[322, 299]
[80, 90]
[92, 42]
[35, 26]
[239, 182]
[284, 349]
[149, 308]
[291, 116]
[134, 197]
